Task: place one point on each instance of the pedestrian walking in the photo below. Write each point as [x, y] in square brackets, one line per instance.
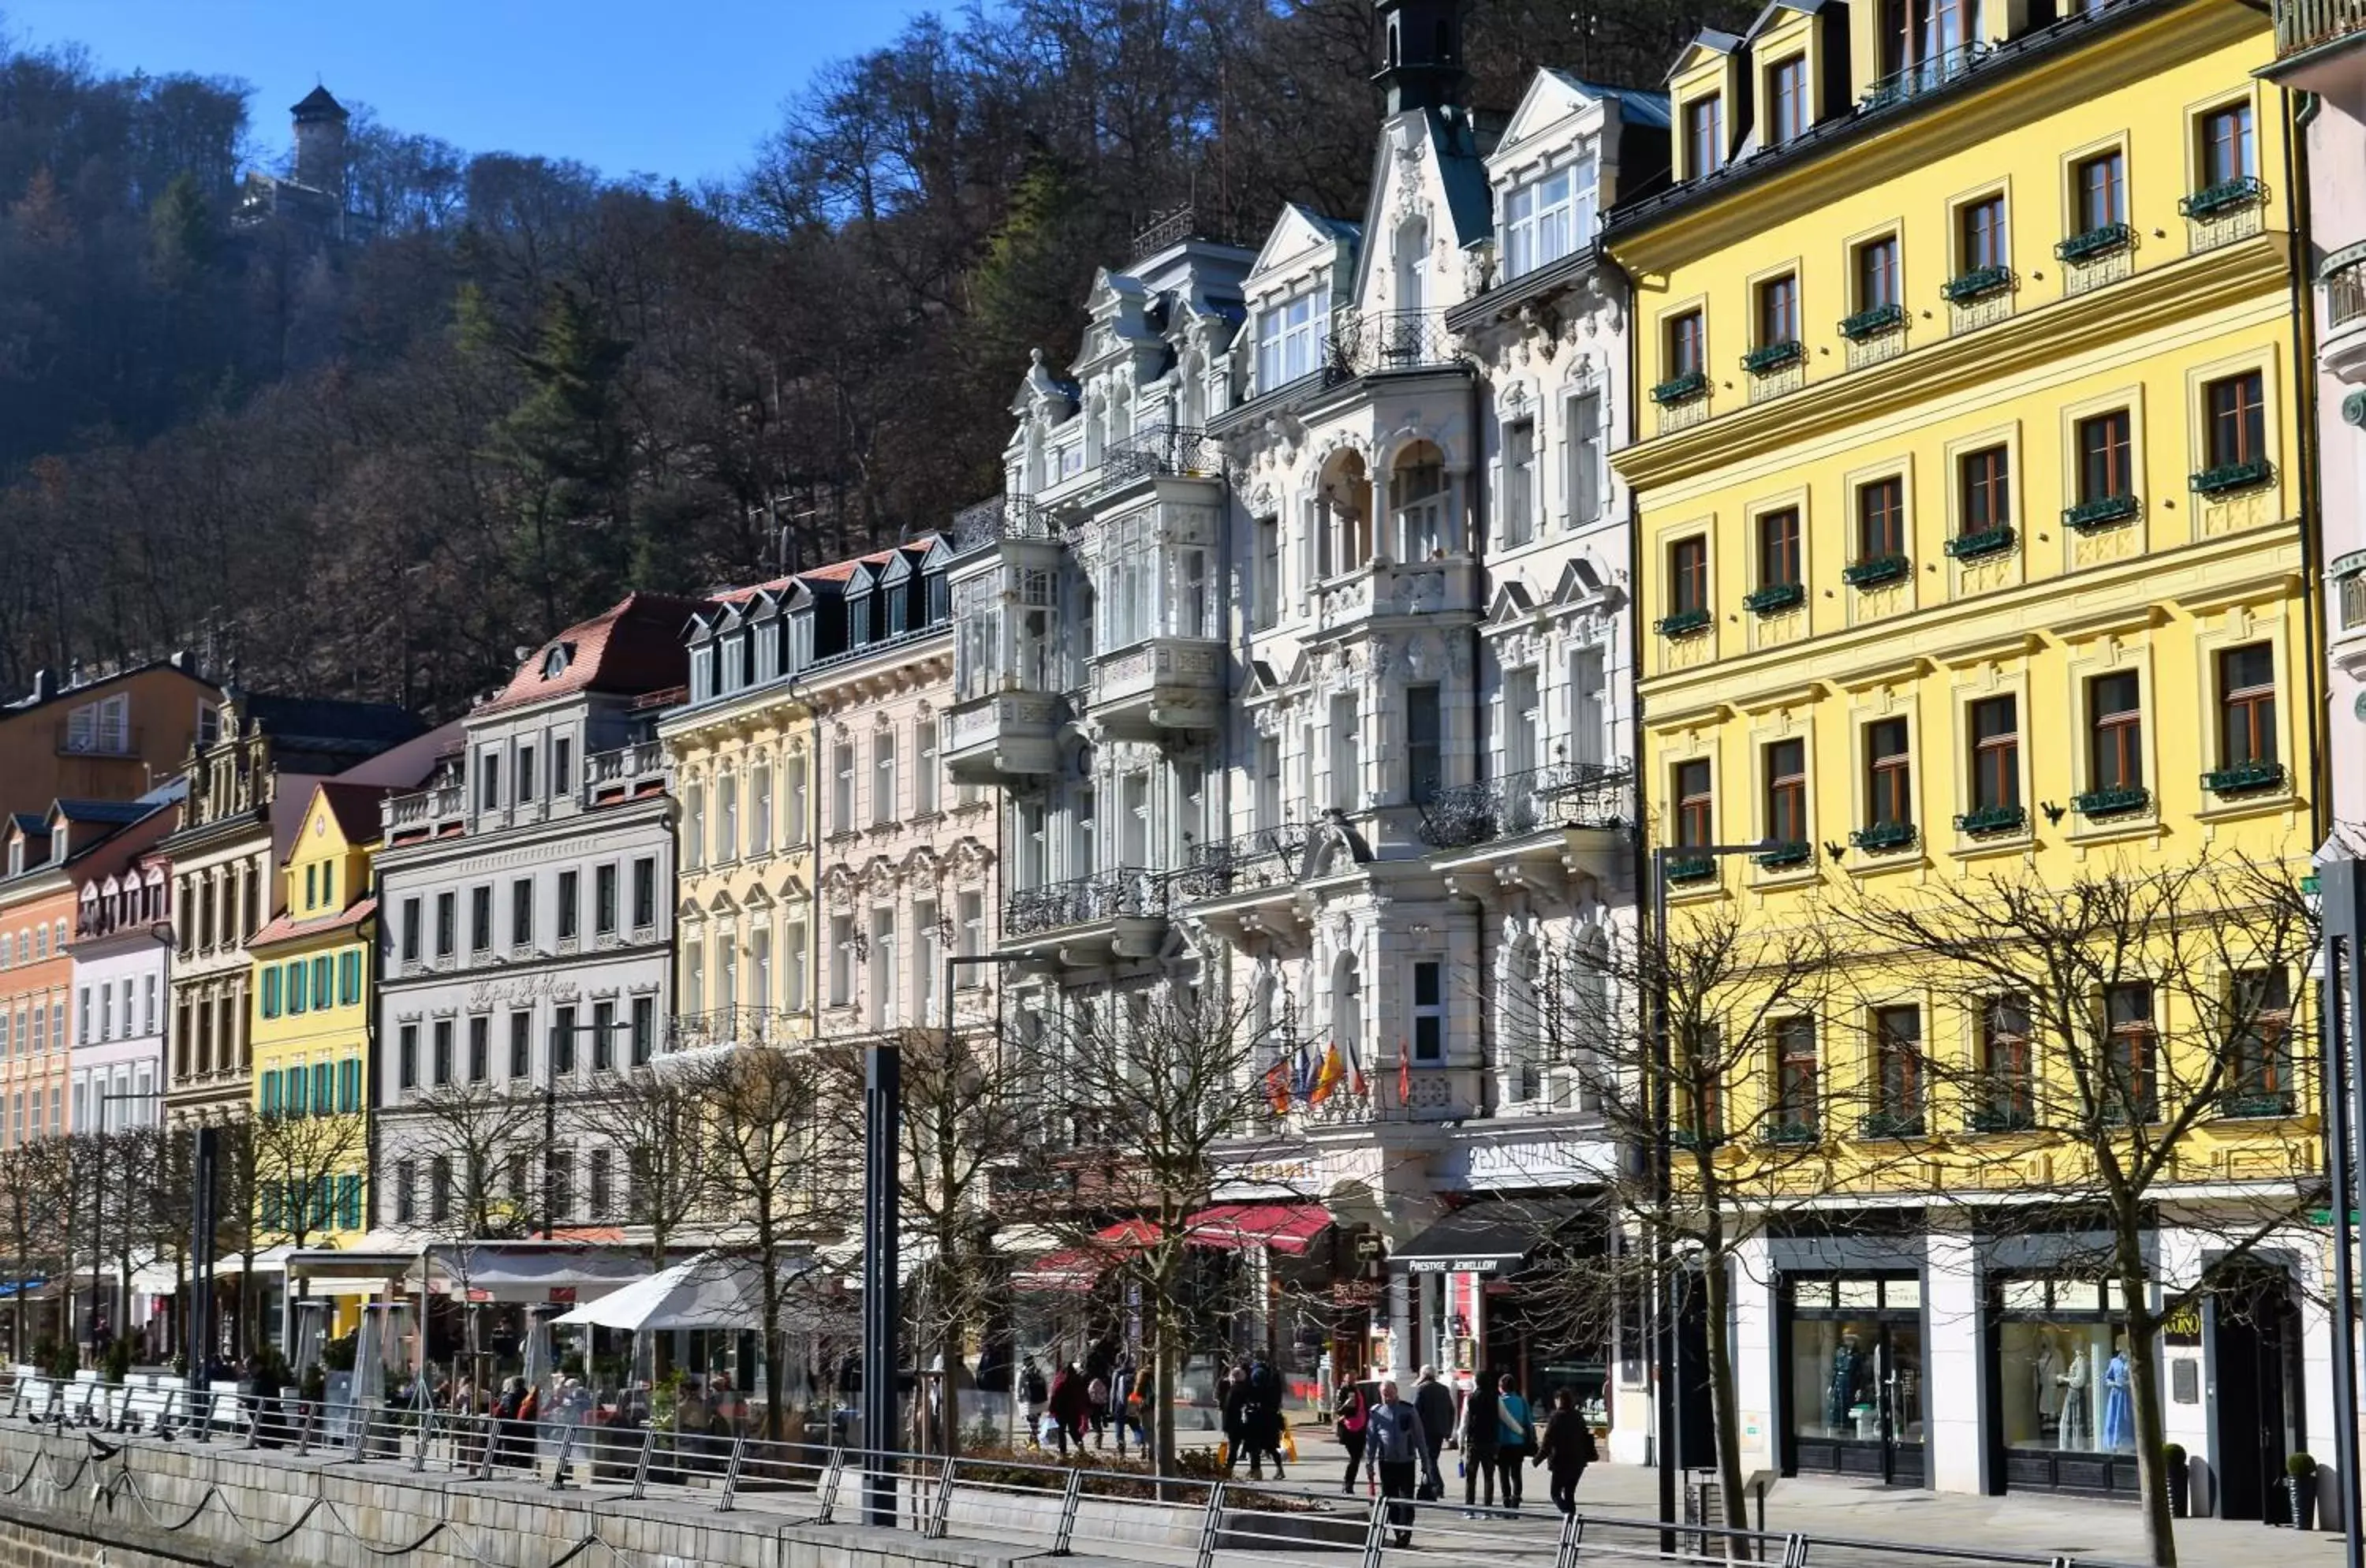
[1476, 1435]
[1071, 1407]
[1516, 1434]
[1399, 1453]
[1348, 1416]
[1265, 1420]
[1567, 1450]
[1120, 1400]
[1232, 1413]
[1033, 1395]
[1435, 1402]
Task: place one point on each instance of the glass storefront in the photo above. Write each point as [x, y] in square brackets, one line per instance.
[2062, 1396]
[1853, 1379]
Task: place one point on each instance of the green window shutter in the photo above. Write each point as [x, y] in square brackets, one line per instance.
[349, 1202]
[295, 987]
[323, 997]
[321, 1093]
[270, 1093]
[271, 992]
[349, 977]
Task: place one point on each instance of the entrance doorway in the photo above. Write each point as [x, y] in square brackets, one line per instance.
[1854, 1377]
[2252, 1344]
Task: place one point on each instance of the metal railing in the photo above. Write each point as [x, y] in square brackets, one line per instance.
[819, 1480]
[2345, 291]
[1132, 893]
[1265, 857]
[1001, 517]
[2305, 24]
[729, 1026]
[1925, 76]
[1154, 449]
[1560, 795]
[1366, 341]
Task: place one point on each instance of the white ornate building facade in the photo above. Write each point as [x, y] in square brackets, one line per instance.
[1298, 649]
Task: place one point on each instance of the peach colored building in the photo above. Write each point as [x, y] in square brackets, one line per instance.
[111, 737]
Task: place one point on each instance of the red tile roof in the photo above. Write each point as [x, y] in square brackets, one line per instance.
[635, 646]
[355, 808]
[288, 927]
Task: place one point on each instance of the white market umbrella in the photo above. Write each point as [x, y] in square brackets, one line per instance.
[710, 1291]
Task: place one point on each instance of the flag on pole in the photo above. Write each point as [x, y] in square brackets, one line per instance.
[1277, 1086]
[1303, 1071]
[1328, 1075]
[1357, 1084]
[1404, 1073]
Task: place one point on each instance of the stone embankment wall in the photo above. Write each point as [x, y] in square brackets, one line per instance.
[76, 1500]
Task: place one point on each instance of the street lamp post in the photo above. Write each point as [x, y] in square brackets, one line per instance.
[1664, 1328]
[2343, 891]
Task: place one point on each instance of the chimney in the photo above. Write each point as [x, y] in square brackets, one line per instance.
[45, 685]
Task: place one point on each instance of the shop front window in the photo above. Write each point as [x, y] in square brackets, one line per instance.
[1855, 1374]
[2062, 1374]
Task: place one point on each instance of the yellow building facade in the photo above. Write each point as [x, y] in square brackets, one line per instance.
[741, 750]
[1973, 545]
[313, 986]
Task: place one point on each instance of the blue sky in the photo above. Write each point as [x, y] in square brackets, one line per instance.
[682, 88]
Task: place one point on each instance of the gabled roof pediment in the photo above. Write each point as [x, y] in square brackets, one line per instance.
[1040, 391]
[1512, 604]
[1772, 14]
[899, 569]
[1298, 232]
[1582, 583]
[1707, 45]
[1552, 98]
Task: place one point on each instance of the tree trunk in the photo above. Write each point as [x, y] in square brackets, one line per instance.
[1164, 1375]
[2144, 1403]
[1716, 1281]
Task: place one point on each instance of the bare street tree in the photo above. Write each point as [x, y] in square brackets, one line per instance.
[2142, 1029]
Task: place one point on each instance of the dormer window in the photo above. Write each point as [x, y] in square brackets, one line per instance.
[17, 857]
[858, 620]
[554, 662]
[1786, 100]
[735, 663]
[1704, 137]
[702, 673]
[939, 599]
[58, 844]
[899, 613]
[1289, 337]
[1548, 219]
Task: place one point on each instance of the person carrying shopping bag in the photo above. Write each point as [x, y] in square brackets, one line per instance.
[1475, 1434]
[1348, 1415]
[1397, 1450]
[1516, 1434]
[1567, 1450]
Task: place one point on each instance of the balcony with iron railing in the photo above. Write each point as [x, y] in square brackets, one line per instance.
[1925, 76]
[1253, 861]
[1174, 451]
[987, 523]
[1013, 733]
[731, 1026]
[1371, 343]
[1089, 920]
[1589, 795]
[2341, 342]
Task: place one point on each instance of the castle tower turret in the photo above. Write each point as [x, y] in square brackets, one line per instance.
[1421, 53]
[321, 141]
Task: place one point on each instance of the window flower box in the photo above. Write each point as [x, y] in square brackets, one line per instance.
[1873, 322]
[1775, 597]
[1891, 1124]
[2228, 478]
[2095, 243]
[2243, 778]
[1976, 284]
[1882, 838]
[1681, 623]
[1987, 542]
[2111, 802]
[1683, 389]
[2103, 512]
[1992, 819]
[1694, 868]
[2253, 1104]
[2001, 1118]
[1782, 857]
[2224, 197]
[1773, 356]
[1789, 1135]
[1874, 572]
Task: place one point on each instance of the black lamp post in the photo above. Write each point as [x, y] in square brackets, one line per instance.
[2343, 891]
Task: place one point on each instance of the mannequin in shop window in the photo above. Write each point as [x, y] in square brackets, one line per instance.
[1842, 1392]
[2073, 1401]
[2049, 1384]
[2119, 1418]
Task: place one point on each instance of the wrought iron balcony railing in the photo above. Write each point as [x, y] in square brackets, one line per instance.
[1681, 623]
[2345, 284]
[2226, 479]
[1173, 449]
[2252, 1103]
[1895, 1122]
[1265, 857]
[2210, 201]
[1001, 517]
[2111, 802]
[1131, 893]
[1875, 571]
[723, 1026]
[1775, 598]
[2243, 778]
[1924, 76]
[1987, 542]
[1363, 343]
[1976, 284]
[1561, 795]
[1681, 389]
[2095, 243]
[1773, 356]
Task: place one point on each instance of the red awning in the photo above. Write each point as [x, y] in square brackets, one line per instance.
[1284, 1227]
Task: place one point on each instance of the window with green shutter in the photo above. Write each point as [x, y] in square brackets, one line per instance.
[349, 1083]
[349, 1202]
[271, 992]
[296, 988]
[322, 980]
[349, 977]
[270, 1094]
[324, 1095]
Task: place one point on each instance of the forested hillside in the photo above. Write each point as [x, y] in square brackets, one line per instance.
[374, 467]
